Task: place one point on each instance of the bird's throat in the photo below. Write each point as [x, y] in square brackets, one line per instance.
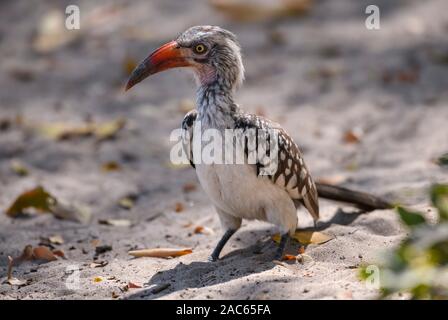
[215, 105]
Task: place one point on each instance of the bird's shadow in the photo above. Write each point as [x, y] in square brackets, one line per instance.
[236, 264]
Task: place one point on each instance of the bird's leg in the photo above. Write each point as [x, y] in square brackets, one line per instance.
[215, 254]
[281, 247]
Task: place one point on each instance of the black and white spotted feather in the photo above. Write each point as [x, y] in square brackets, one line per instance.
[292, 173]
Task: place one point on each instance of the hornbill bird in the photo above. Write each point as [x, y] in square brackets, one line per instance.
[238, 191]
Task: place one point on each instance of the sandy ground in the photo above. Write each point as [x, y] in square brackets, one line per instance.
[327, 75]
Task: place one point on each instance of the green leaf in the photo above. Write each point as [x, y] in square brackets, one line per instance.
[410, 218]
[439, 197]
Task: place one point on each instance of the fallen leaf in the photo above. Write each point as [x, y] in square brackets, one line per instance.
[19, 168]
[42, 201]
[126, 203]
[132, 285]
[59, 253]
[203, 230]
[16, 282]
[307, 237]
[43, 253]
[110, 166]
[99, 264]
[56, 239]
[178, 207]
[109, 130]
[189, 187]
[63, 131]
[352, 136]
[160, 252]
[289, 257]
[116, 222]
[36, 198]
[97, 279]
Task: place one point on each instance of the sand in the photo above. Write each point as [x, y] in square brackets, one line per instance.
[329, 76]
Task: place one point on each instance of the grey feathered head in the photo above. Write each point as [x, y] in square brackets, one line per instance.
[212, 52]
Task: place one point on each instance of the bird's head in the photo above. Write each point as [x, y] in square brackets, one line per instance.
[212, 52]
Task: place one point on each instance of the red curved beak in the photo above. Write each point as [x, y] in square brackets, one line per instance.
[168, 56]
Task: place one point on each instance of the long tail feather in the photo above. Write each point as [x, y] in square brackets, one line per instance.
[361, 199]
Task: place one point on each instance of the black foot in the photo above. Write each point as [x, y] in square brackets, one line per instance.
[281, 248]
[215, 254]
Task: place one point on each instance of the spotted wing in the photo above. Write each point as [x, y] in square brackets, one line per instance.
[291, 172]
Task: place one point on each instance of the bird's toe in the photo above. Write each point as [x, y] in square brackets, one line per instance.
[212, 258]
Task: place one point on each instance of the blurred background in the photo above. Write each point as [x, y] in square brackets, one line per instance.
[369, 108]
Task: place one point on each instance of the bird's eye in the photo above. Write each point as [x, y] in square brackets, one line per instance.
[200, 49]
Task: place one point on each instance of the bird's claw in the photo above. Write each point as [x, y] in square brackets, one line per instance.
[212, 258]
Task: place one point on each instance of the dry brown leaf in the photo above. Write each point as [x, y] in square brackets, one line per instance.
[42, 201]
[36, 198]
[189, 187]
[307, 237]
[132, 285]
[110, 166]
[351, 136]
[289, 257]
[160, 252]
[43, 253]
[59, 253]
[116, 222]
[178, 207]
[203, 230]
